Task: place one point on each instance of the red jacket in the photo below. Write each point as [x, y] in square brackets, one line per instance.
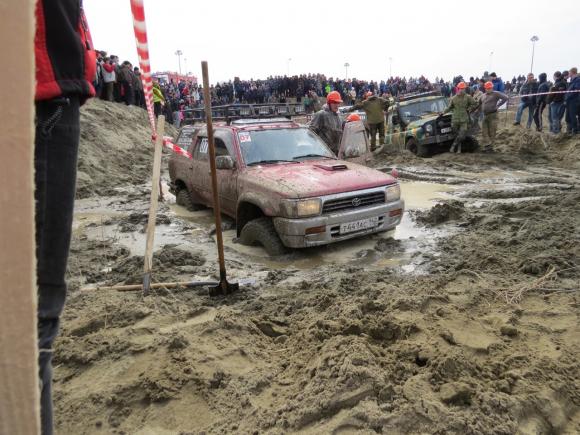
[63, 49]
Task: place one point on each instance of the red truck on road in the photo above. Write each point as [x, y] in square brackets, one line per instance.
[283, 185]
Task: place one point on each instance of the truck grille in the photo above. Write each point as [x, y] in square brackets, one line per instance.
[444, 123]
[353, 201]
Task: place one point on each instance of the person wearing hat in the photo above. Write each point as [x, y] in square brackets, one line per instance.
[375, 108]
[490, 102]
[327, 124]
[461, 107]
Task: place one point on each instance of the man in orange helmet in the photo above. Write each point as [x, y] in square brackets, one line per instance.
[460, 107]
[490, 102]
[327, 124]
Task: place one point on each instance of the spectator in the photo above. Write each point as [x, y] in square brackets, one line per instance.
[139, 98]
[530, 86]
[497, 83]
[572, 100]
[543, 87]
[158, 99]
[125, 80]
[556, 102]
[109, 78]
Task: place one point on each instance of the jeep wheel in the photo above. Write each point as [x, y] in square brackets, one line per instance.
[261, 231]
[183, 198]
[419, 150]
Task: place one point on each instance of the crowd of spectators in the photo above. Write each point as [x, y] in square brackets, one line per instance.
[121, 82]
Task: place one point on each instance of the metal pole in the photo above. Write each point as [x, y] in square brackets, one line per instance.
[224, 286]
[390, 67]
[179, 53]
[533, 49]
[490, 58]
[534, 39]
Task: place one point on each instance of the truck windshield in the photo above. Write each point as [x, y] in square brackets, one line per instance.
[413, 111]
[284, 144]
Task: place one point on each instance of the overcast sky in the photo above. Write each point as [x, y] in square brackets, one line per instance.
[257, 38]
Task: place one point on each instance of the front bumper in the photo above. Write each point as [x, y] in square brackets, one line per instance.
[293, 234]
[437, 139]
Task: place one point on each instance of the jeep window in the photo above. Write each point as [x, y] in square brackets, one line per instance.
[413, 111]
[186, 136]
[284, 144]
[202, 148]
[201, 151]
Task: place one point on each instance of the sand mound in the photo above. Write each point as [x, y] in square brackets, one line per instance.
[115, 148]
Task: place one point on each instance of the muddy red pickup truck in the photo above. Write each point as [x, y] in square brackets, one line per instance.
[283, 186]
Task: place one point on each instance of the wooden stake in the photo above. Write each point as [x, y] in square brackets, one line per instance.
[136, 287]
[19, 401]
[148, 266]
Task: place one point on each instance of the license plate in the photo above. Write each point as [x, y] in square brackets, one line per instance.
[446, 130]
[363, 224]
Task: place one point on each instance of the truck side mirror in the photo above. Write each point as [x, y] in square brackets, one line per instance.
[225, 162]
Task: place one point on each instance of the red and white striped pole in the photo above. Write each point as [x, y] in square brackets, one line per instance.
[140, 29]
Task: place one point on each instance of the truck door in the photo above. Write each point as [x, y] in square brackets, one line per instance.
[354, 145]
[227, 178]
[199, 174]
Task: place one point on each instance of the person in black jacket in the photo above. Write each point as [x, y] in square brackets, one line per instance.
[556, 101]
[543, 87]
[65, 69]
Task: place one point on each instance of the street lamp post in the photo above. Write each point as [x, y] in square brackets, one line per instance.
[185, 65]
[346, 65]
[490, 60]
[390, 67]
[178, 53]
[534, 39]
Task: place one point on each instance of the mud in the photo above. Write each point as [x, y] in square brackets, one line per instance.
[465, 320]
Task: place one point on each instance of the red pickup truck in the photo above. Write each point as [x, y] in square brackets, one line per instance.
[283, 186]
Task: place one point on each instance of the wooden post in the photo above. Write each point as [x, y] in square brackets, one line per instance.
[19, 386]
[155, 186]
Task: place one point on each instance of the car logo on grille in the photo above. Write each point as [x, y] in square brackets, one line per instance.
[356, 202]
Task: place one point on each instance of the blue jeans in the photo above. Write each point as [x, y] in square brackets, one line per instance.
[523, 105]
[557, 112]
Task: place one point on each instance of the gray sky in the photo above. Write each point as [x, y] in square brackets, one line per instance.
[256, 38]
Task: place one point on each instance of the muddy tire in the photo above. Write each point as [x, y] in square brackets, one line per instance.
[183, 198]
[423, 151]
[261, 231]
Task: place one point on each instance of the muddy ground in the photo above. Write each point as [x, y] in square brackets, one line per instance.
[464, 320]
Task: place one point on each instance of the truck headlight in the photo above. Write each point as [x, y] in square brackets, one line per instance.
[429, 128]
[393, 193]
[301, 207]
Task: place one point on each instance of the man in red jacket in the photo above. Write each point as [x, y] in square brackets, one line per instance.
[65, 68]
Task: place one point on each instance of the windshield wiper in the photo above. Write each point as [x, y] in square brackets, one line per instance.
[313, 155]
[270, 161]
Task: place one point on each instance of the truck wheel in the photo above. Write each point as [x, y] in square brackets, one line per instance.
[411, 145]
[183, 198]
[423, 151]
[261, 231]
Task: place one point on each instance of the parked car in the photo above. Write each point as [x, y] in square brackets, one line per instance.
[284, 186]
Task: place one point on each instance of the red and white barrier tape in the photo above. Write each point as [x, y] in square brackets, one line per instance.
[140, 29]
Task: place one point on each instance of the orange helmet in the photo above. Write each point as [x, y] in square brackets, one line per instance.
[352, 117]
[333, 97]
[488, 85]
[368, 94]
[461, 85]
